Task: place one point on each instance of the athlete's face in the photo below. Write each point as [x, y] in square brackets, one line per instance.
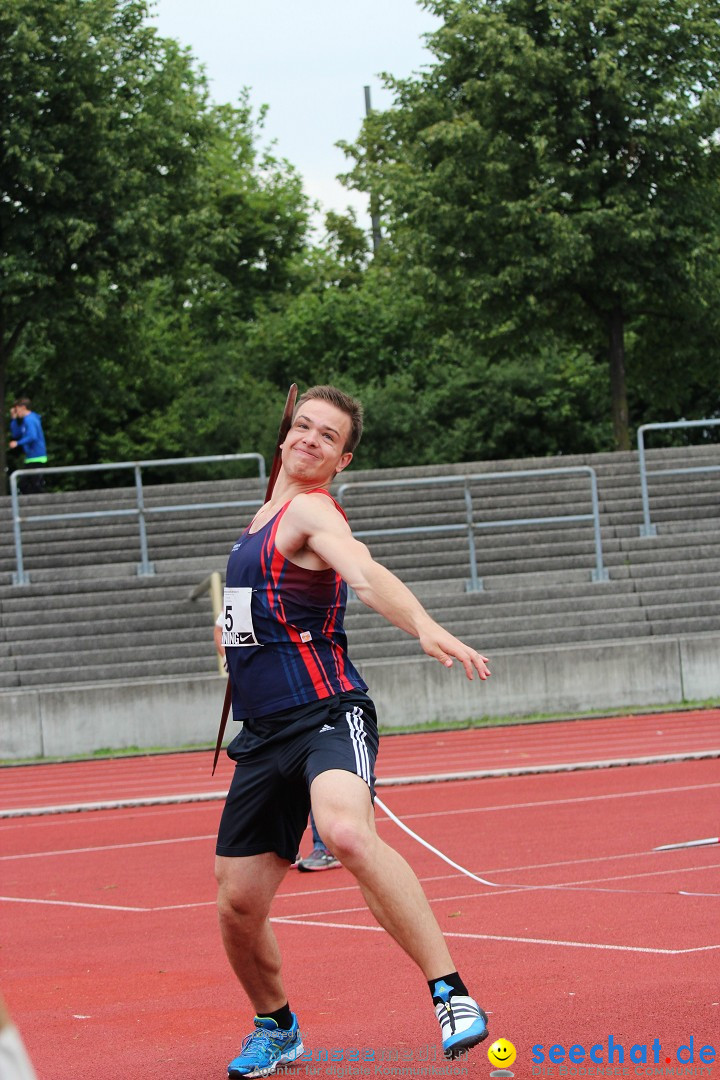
[314, 446]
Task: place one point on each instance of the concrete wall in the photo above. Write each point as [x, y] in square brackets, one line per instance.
[174, 712]
[67, 720]
[568, 679]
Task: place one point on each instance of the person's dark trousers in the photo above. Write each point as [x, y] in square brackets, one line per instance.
[32, 485]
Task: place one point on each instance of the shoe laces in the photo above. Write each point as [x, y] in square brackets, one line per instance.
[257, 1043]
[451, 1015]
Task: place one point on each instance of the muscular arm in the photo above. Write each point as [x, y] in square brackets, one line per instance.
[327, 535]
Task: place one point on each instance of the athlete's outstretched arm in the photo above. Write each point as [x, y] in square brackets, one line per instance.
[328, 535]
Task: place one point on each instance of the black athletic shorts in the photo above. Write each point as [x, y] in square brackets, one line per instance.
[277, 758]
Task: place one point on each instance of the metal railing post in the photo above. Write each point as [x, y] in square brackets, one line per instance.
[145, 568]
[469, 525]
[599, 573]
[19, 577]
[475, 583]
[647, 528]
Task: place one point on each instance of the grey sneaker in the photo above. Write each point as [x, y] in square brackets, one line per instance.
[318, 859]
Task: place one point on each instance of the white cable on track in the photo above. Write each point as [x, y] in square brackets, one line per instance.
[510, 884]
[440, 854]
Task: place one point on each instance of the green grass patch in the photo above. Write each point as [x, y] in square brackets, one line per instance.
[546, 718]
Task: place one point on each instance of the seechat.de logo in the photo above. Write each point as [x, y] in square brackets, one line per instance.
[614, 1053]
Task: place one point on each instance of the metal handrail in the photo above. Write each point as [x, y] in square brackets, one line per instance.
[145, 567]
[475, 583]
[647, 528]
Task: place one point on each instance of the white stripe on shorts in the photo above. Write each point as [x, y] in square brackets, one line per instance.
[357, 736]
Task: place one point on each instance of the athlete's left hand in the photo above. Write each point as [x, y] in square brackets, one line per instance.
[444, 647]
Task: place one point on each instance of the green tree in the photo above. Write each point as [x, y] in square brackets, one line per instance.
[140, 230]
[100, 125]
[556, 171]
[432, 392]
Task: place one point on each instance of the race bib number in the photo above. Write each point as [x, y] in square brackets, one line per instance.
[237, 624]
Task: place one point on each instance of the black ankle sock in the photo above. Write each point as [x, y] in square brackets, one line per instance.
[282, 1017]
[448, 984]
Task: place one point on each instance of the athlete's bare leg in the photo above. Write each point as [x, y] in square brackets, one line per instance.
[246, 887]
[345, 819]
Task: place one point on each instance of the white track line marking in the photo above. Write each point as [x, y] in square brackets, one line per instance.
[569, 886]
[114, 804]
[558, 802]
[617, 857]
[303, 917]
[468, 873]
[630, 877]
[183, 907]
[69, 903]
[48, 821]
[497, 885]
[107, 847]
[559, 767]
[509, 889]
[382, 819]
[167, 800]
[502, 937]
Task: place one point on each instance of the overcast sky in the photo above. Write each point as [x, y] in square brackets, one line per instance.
[308, 60]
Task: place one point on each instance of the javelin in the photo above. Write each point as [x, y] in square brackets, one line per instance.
[285, 423]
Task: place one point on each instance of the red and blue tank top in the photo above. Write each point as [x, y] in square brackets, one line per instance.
[282, 628]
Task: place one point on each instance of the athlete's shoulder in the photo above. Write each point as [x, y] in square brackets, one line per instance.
[316, 506]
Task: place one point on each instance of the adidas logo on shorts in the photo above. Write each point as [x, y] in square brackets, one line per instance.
[326, 727]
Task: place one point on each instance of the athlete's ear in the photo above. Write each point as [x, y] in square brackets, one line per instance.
[343, 462]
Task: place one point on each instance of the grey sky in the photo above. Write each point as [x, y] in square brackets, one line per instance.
[308, 60]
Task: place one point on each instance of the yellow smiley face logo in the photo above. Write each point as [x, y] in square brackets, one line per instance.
[502, 1054]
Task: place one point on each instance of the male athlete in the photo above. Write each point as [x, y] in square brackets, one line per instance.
[309, 733]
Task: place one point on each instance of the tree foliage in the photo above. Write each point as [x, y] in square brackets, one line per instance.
[140, 228]
[555, 170]
[549, 197]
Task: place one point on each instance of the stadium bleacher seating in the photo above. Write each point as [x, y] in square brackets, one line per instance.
[87, 617]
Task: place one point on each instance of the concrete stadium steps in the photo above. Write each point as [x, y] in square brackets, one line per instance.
[68, 631]
[68, 594]
[106, 542]
[109, 672]
[76, 621]
[602, 634]
[60, 658]
[88, 543]
[89, 642]
[620, 558]
[172, 536]
[86, 615]
[549, 615]
[498, 552]
[662, 568]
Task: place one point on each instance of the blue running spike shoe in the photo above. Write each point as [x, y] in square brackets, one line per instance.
[265, 1048]
[463, 1023]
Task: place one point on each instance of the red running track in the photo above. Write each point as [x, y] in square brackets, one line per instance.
[112, 963]
[481, 751]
